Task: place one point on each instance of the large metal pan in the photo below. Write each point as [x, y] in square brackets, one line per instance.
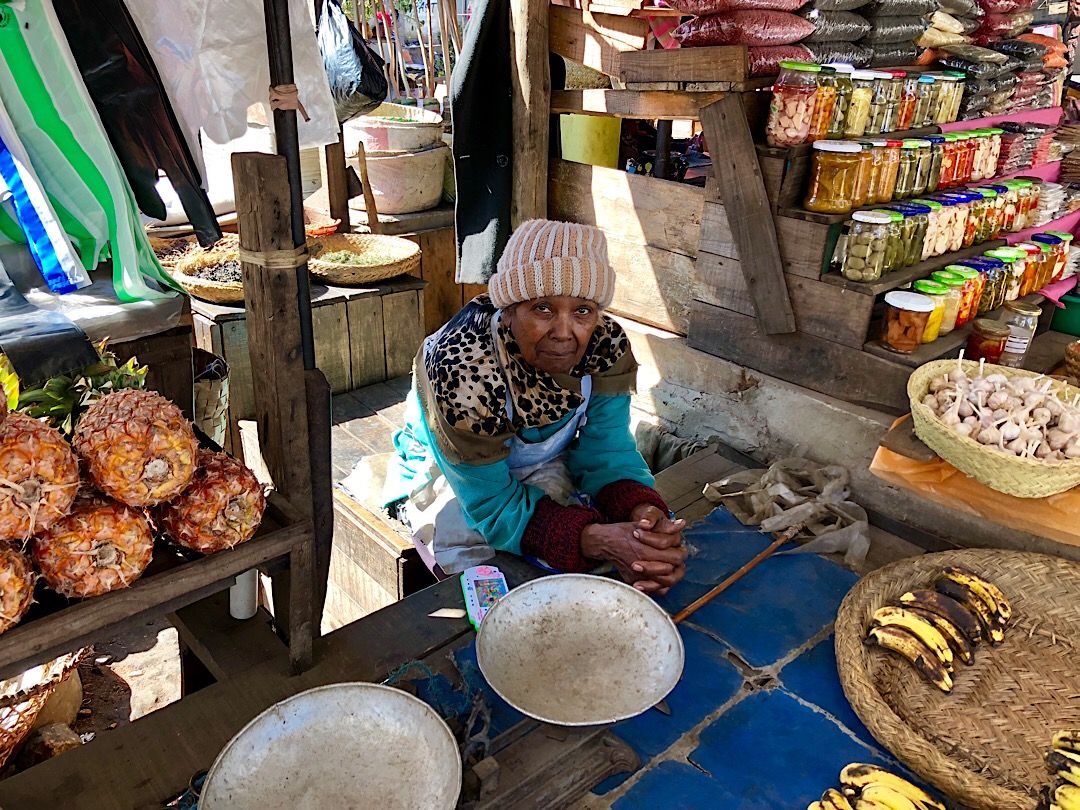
[347, 745]
[579, 650]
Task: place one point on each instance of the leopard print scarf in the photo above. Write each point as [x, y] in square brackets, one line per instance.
[470, 390]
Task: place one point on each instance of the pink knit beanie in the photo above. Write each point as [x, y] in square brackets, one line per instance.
[553, 258]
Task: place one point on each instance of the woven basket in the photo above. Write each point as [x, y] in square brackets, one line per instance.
[1004, 472]
[382, 257]
[216, 292]
[171, 251]
[23, 697]
[984, 743]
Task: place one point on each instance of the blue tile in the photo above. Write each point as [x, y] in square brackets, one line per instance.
[812, 676]
[678, 786]
[771, 751]
[709, 680]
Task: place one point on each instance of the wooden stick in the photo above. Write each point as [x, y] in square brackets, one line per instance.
[428, 81]
[443, 35]
[369, 196]
[430, 49]
[696, 605]
[395, 35]
[391, 79]
[451, 6]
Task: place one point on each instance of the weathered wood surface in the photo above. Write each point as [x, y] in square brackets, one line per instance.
[330, 325]
[725, 63]
[368, 340]
[652, 286]
[530, 87]
[632, 104]
[226, 646]
[168, 354]
[404, 329]
[336, 179]
[740, 187]
[438, 260]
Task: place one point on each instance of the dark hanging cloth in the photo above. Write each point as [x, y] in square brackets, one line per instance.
[124, 83]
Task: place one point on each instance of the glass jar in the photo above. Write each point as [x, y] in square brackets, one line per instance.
[986, 341]
[913, 231]
[1024, 214]
[905, 115]
[867, 244]
[894, 247]
[1010, 207]
[896, 95]
[970, 144]
[977, 216]
[907, 173]
[947, 176]
[948, 106]
[971, 292]
[935, 239]
[1066, 247]
[954, 296]
[995, 149]
[924, 100]
[882, 104]
[993, 281]
[937, 144]
[886, 188]
[844, 88]
[1022, 319]
[906, 315]
[937, 293]
[792, 106]
[875, 153]
[922, 170]
[1057, 252]
[966, 219]
[954, 221]
[833, 177]
[824, 101]
[1015, 262]
[957, 81]
[1046, 266]
[1035, 188]
[994, 209]
[1032, 266]
[983, 168]
[1005, 260]
[864, 180]
[857, 118]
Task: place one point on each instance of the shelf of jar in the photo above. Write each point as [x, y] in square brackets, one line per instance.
[1043, 115]
[904, 276]
[804, 149]
[1063, 223]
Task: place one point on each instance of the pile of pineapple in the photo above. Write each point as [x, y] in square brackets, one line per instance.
[83, 513]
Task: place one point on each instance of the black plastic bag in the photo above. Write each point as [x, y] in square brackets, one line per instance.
[353, 69]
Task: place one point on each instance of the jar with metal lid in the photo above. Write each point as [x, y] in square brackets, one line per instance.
[905, 115]
[1057, 251]
[913, 230]
[857, 118]
[1032, 266]
[894, 248]
[971, 292]
[882, 104]
[937, 149]
[909, 169]
[867, 244]
[906, 315]
[986, 341]
[954, 296]
[791, 109]
[922, 169]
[937, 293]
[1022, 319]
[844, 88]
[824, 102]
[924, 100]
[936, 238]
[834, 175]
[1008, 260]
[1066, 247]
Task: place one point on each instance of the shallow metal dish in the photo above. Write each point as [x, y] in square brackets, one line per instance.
[346, 745]
[579, 650]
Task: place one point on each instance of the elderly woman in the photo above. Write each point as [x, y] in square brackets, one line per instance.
[517, 431]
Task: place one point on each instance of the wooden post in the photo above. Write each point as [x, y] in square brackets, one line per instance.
[531, 86]
[429, 83]
[444, 33]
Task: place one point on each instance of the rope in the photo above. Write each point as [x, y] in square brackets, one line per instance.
[287, 97]
[276, 259]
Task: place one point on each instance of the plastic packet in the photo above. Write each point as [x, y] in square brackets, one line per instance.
[765, 60]
[838, 5]
[973, 53]
[1055, 62]
[944, 21]
[936, 38]
[973, 105]
[848, 52]
[970, 24]
[1051, 44]
[1000, 26]
[894, 29]
[1002, 96]
[961, 8]
[892, 54]
[1021, 49]
[900, 8]
[703, 8]
[974, 70]
[978, 88]
[1005, 6]
[835, 26]
[744, 28]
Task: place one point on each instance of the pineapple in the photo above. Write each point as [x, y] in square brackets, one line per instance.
[39, 476]
[101, 546]
[222, 507]
[137, 447]
[16, 587]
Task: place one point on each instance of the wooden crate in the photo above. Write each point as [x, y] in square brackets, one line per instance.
[362, 336]
[168, 355]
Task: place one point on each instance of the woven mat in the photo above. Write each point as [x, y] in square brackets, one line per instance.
[984, 743]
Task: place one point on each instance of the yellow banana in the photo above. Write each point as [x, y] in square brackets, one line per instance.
[919, 627]
[961, 645]
[1066, 764]
[888, 797]
[858, 776]
[1067, 740]
[987, 591]
[910, 647]
[833, 799]
[815, 806]
[1067, 797]
[947, 608]
[964, 595]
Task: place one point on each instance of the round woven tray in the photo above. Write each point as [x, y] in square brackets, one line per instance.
[1004, 472]
[382, 257]
[216, 292]
[171, 251]
[984, 743]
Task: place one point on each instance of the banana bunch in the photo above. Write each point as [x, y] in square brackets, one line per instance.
[1063, 761]
[868, 787]
[932, 628]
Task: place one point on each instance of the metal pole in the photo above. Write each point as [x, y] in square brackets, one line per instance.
[279, 49]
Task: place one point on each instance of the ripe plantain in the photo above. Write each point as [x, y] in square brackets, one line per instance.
[947, 608]
[963, 595]
[858, 776]
[961, 645]
[1067, 797]
[910, 647]
[1067, 740]
[984, 589]
[919, 627]
[833, 799]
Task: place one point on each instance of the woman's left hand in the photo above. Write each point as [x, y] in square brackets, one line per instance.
[661, 532]
[653, 519]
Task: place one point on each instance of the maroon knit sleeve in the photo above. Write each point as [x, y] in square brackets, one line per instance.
[553, 534]
[619, 498]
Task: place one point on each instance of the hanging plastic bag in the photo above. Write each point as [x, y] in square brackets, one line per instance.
[744, 28]
[887, 30]
[838, 5]
[936, 38]
[900, 8]
[354, 71]
[765, 61]
[892, 54]
[703, 8]
[835, 26]
[847, 52]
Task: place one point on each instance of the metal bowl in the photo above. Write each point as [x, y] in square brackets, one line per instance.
[346, 745]
[579, 650]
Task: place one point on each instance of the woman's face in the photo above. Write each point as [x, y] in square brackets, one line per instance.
[553, 332]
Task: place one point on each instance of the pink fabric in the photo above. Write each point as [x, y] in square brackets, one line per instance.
[1053, 292]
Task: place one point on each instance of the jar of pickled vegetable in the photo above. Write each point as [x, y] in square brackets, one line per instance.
[1035, 189]
[986, 341]
[1032, 266]
[995, 148]
[923, 167]
[954, 296]
[913, 229]
[977, 216]
[953, 221]
[844, 89]
[951, 88]
[886, 189]
[909, 93]
[907, 173]
[993, 279]
[882, 104]
[1046, 266]
[957, 79]
[1024, 213]
[867, 244]
[981, 168]
[970, 144]
[875, 152]
[906, 316]
[1010, 207]
[791, 109]
[947, 176]
[864, 180]
[966, 220]
[1015, 260]
[998, 280]
[1022, 319]
[971, 292]
[824, 101]
[894, 249]
[937, 144]
[1066, 247]
[924, 100]
[834, 175]
[896, 95]
[992, 225]
[937, 293]
[1057, 251]
[934, 240]
[857, 120]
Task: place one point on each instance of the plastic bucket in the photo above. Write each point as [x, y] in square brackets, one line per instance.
[1067, 320]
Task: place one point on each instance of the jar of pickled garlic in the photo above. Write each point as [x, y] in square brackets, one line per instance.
[844, 89]
[824, 103]
[935, 240]
[908, 171]
[954, 296]
[867, 245]
[906, 316]
[924, 101]
[1010, 207]
[882, 104]
[1034, 188]
[792, 107]
[981, 169]
[986, 341]
[971, 292]
[953, 221]
[834, 176]
[857, 119]
[937, 293]
[937, 150]
[908, 96]
[966, 216]
[1032, 266]
[1066, 247]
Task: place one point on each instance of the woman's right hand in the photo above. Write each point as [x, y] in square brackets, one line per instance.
[651, 561]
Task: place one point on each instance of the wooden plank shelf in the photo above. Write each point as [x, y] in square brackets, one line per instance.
[906, 275]
[804, 149]
[172, 581]
[643, 104]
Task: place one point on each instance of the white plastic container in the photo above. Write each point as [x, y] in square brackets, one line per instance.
[383, 130]
[406, 182]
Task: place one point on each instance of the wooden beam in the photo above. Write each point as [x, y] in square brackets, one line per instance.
[720, 63]
[740, 185]
[336, 178]
[530, 79]
[632, 103]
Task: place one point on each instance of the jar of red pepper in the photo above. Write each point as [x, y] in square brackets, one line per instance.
[987, 340]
